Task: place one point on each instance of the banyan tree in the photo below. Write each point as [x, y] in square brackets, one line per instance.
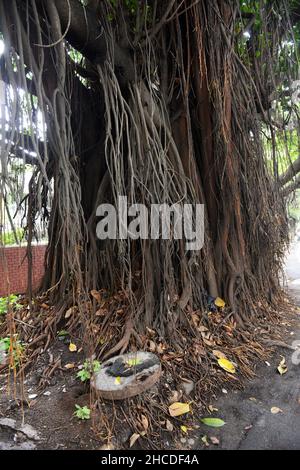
[164, 102]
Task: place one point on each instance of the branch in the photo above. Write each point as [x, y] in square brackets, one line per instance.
[291, 188]
[85, 33]
[291, 172]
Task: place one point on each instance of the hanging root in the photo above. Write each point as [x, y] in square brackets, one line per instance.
[184, 117]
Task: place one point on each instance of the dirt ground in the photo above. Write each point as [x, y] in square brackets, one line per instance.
[50, 411]
[52, 424]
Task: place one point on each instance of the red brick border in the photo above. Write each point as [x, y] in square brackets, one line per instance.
[14, 265]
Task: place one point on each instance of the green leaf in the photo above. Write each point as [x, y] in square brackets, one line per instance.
[83, 375]
[62, 333]
[82, 412]
[213, 422]
[12, 301]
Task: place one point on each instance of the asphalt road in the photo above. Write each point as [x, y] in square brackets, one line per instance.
[250, 424]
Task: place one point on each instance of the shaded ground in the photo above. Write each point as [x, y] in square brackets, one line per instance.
[50, 411]
[250, 423]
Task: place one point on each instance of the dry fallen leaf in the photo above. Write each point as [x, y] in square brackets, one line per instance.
[133, 439]
[219, 354]
[70, 366]
[215, 440]
[152, 346]
[145, 422]
[205, 441]
[107, 447]
[101, 312]
[275, 410]
[169, 426]
[69, 312]
[282, 368]
[72, 347]
[160, 348]
[178, 409]
[32, 396]
[226, 365]
[175, 396]
[96, 295]
[202, 329]
[212, 408]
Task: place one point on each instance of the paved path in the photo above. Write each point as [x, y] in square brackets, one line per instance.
[249, 422]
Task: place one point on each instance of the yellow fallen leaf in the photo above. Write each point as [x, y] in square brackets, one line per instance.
[219, 302]
[118, 381]
[226, 365]
[133, 439]
[178, 409]
[282, 368]
[275, 410]
[72, 347]
[184, 429]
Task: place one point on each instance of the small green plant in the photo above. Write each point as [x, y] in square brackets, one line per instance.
[62, 334]
[11, 348]
[89, 368]
[82, 412]
[5, 302]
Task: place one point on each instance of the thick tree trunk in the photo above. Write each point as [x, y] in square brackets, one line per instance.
[171, 117]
